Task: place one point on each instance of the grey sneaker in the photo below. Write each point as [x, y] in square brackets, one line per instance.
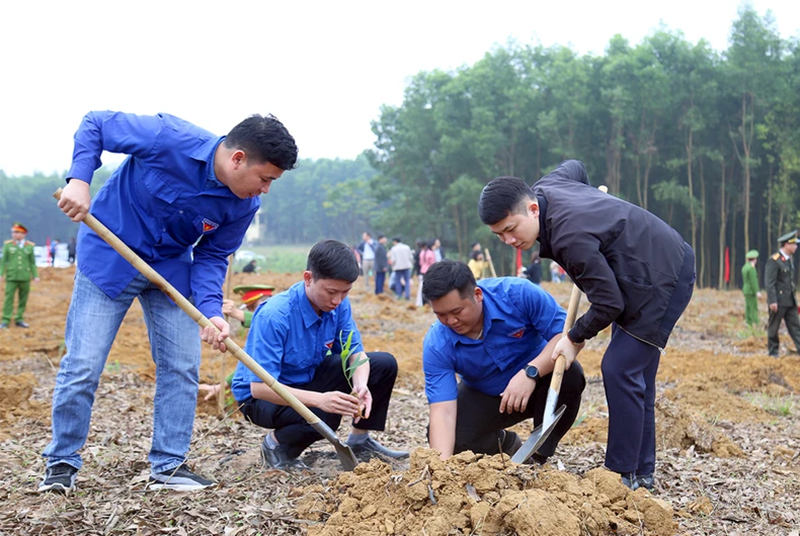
[178, 479]
[645, 481]
[629, 479]
[59, 478]
[370, 445]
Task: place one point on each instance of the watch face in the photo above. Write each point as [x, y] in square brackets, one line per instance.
[532, 372]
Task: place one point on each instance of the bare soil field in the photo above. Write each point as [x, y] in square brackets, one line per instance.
[728, 443]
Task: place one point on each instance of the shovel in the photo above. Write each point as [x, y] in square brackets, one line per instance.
[551, 416]
[345, 453]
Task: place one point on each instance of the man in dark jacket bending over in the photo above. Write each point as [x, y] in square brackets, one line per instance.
[638, 274]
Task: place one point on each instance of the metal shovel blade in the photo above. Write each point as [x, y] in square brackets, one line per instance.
[537, 437]
[345, 453]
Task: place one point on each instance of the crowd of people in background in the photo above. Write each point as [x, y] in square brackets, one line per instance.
[395, 266]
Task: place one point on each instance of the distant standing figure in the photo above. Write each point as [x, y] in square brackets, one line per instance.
[367, 250]
[250, 268]
[53, 251]
[18, 267]
[426, 259]
[750, 288]
[381, 264]
[436, 247]
[71, 250]
[555, 272]
[477, 265]
[779, 281]
[534, 271]
[402, 260]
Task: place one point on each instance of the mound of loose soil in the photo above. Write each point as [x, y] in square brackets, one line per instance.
[15, 402]
[678, 428]
[475, 494]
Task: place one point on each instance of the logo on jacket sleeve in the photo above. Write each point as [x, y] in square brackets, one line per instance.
[209, 226]
[329, 344]
[517, 334]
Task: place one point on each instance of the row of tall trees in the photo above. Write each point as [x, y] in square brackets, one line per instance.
[706, 140]
[29, 200]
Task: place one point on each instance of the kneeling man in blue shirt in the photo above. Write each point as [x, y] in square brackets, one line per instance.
[297, 337]
[498, 336]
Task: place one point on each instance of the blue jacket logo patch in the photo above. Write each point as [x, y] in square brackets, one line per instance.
[209, 226]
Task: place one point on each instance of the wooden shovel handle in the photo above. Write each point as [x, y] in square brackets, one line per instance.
[129, 255]
[561, 361]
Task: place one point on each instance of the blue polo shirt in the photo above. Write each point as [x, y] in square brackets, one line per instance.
[519, 318]
[290, 340]
[164, 201]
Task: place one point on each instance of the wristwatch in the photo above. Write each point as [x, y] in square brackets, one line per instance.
[532, 372]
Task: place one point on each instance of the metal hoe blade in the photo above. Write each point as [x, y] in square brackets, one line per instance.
[537, 437]
[345, 453]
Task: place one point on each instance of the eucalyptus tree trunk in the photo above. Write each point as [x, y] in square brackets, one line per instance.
[689, 163]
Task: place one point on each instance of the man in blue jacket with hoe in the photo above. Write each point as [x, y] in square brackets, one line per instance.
[636, 271]
[182, 200]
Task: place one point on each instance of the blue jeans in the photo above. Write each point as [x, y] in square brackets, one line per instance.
[92, 324]
[402, 281]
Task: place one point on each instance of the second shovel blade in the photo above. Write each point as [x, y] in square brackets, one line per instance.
[537, 437]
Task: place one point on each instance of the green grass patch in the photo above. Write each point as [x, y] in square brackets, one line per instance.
[278, 258]
[782, 406]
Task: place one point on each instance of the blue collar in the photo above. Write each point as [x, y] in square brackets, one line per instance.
[310, 316]
[206, 153]
[490, 314]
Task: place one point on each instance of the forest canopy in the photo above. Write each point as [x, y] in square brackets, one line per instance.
[707, 140]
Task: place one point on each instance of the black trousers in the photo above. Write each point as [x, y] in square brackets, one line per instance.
[479, 423]
[789, 314]
[292, 430]
[629, 370]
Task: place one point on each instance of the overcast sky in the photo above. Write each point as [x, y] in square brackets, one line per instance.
[324, 68]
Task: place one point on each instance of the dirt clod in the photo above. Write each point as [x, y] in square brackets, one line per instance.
[432, 497]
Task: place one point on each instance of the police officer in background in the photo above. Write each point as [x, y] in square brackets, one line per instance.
[779, 281]
[18, 268]
[750, 288]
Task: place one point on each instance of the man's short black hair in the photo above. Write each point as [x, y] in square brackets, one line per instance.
[503, 196]
[445, 276]
[381, 236]
[397, 239]
[264, 139]
[331, 259]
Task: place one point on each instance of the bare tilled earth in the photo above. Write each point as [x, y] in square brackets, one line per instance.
[728, 444]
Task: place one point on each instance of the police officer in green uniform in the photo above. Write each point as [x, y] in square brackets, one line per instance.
[750, 288]
[779, 281]
[18, 267]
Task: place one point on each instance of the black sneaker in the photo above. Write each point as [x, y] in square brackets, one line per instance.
[21, 324]
[59, 478]
[511, 443]
[370, 445]
[179, 479]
